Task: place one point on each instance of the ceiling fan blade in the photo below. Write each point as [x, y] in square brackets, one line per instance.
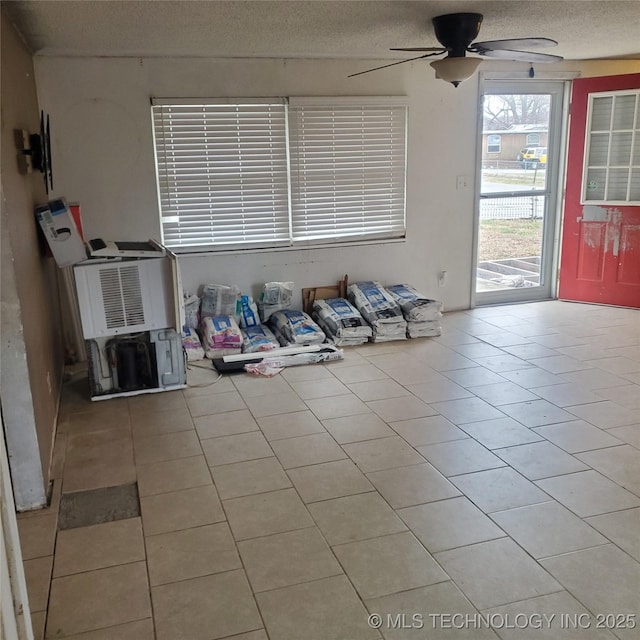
[384, 66]
[439, 49]
[513, 43]
[520, 56]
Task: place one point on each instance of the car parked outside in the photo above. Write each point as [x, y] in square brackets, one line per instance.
[533, 157]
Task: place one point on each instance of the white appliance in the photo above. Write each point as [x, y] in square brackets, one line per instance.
[124, 297]
[130, 314]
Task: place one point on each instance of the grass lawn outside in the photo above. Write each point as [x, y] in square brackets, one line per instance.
[500, 239]
[530, 178]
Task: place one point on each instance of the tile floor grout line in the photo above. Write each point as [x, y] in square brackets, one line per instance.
[237, 550]
[542, 595]
[589, 548]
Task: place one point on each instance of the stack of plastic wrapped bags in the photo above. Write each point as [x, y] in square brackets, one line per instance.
[341, 322]
[221, 336]
[422, 314]
[379, 309]
[219, 330]
[295, 328]
[258, 338]
[222, 321]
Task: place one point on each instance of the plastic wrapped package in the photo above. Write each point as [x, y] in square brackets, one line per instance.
[422, 314]
[221, 336]
[220, 300]
[341, 321]
[345, 340]
[258, 338]
[191, 304]
[295, 327]
[275, 296]
[425, 329]
[415, 306]
[379, 309]
[191, 344]
[270, 366]
[249, 316]
[376, 305]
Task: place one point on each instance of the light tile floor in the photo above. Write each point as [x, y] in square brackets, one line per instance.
[492, 470]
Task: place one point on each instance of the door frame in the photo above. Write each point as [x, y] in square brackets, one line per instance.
[15, 619]
[557, 141]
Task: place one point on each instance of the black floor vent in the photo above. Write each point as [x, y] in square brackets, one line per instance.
[95, 506]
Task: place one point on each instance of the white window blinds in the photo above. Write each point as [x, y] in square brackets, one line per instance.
[347, 170]
[222, 174]
[261, 173]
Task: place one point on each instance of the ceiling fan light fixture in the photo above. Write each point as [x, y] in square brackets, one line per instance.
[455, 70]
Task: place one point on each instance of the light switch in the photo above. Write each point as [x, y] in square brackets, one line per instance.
[463, 182]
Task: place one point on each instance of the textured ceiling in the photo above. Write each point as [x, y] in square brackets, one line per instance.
[312, 28]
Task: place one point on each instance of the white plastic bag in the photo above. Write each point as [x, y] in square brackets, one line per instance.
[256, 339]
[275, 296]
[191, 344]
[249, 316]
[191, 304]
[220, 300]
[296, 327]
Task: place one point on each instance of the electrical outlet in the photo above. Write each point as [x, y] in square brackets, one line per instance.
[463, 182]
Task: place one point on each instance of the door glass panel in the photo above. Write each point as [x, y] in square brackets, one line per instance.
[635, 185]
[621, 148]
[623, 112]
[618, 182]
[636, 146]
[596, 180]
[601, 114]
[599, 149]
[509, 242]
[610, 164]
[513, 192]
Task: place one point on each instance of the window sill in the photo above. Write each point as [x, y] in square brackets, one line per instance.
[185, 253]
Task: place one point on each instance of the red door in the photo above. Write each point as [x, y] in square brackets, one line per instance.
[600, 260]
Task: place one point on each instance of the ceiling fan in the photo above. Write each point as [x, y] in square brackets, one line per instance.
[456, 33]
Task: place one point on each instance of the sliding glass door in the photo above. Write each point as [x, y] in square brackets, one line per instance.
[518, 199]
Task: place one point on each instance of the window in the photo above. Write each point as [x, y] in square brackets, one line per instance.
[612, 149]
[533, 140]
[222, 173]
[494, 143]
[268, 173]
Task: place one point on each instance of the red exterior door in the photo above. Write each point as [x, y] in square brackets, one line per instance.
[600, 260]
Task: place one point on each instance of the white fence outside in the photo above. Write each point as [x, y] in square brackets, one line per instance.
[531, 207]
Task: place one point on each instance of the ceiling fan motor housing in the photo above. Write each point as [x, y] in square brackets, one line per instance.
[456, 31]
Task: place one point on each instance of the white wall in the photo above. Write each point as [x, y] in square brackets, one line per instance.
[103, 158]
